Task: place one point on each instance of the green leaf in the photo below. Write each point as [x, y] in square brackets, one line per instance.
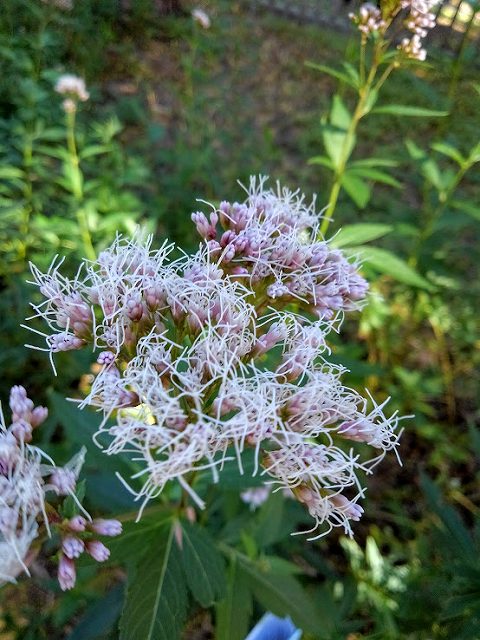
[8, 172]
[335, 73]
[432, 173]
[407, 110]
[386, 262]
[469, 208]
[373, 162]
[449, 151]
[93, 150]
[370, 102]
[355, 234]
[457, 535]
[235, 610]
[203, 565]
[357, 189]
[352, 72]
[335, 132]
[281, 594]
[156, 603]
[374, 174]
[416, 153]
[339, 115]
[268, 527]
[138, 537]
[323, 160]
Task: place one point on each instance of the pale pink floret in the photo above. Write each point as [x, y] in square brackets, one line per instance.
[97, 550]
[67, 574]
[72, 547]
[106, 527]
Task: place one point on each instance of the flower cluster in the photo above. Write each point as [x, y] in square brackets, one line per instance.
[27, 475]
[368, 19]
[74, 89]
[419, 21]
[271, 243]
[212, 354]
[78, 536]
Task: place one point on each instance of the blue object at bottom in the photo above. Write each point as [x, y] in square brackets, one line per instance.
[272, 628]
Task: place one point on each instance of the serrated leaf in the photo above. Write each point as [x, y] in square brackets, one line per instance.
[137, 537]
[156, 603]
[356, 234]
[410, 111]
[235, 610]
[203, 565]
[282, 594]
[386, 262]
[100, 617]
[357, 189]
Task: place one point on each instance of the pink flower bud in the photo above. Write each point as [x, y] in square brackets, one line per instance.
[97, 550]
[106, 358]
[20, 404]
[67, 574]
[39, 415]
[77, 524]
[106, 527]
[22, 430]
[72, 547]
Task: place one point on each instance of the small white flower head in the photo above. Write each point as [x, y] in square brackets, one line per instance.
[368, 20]
[73, 87]
[412, 48]
[201, 18]
[419, 21]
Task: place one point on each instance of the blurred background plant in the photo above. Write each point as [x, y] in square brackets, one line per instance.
[177, 110]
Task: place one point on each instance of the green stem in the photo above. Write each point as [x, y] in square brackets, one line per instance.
[77, 190]
[347, 145]
[432, 219]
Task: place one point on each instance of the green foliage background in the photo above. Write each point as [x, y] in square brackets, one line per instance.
[178, 113]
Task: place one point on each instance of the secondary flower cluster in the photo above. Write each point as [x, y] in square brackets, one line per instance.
[368, 19]
[419, 21]
[74, 89]
[371, 21]
[27, 475]
[222, 351]
[78, 535]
